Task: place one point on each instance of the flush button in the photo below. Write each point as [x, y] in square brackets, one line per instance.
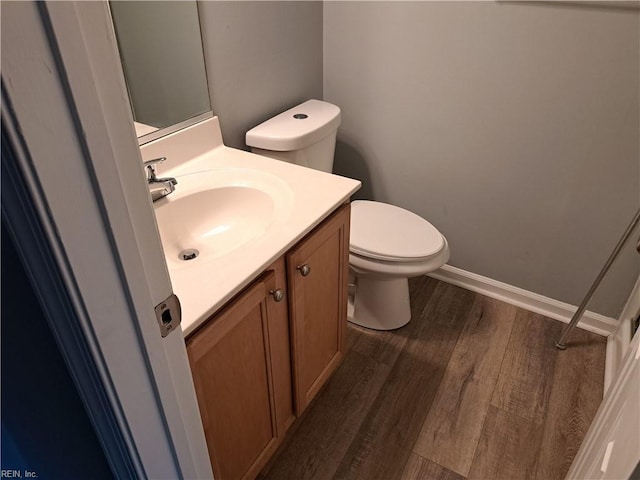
[300, 116]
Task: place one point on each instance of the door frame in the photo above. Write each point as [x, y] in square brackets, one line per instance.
[81, 215]
[614, 430]
[618, 342]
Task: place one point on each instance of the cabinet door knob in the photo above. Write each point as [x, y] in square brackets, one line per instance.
[278, 295]
[304, 270]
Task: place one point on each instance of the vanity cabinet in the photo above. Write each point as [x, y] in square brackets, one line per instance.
[258, 362]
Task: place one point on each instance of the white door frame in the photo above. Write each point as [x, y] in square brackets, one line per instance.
[618, 342]
[66, 114]
[611, 446]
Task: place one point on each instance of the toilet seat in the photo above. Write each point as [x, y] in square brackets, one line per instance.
[364, 265]
[389, 233]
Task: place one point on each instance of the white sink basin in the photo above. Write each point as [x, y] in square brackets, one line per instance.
[214, 212]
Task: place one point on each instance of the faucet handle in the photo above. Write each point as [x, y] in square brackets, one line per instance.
[151, 169]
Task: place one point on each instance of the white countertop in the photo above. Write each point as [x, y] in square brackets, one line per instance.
[205, 287]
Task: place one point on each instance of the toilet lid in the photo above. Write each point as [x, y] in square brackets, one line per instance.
[387, 232]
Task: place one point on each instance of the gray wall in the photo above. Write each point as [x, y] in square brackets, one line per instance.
[513, 128]
[262, 58]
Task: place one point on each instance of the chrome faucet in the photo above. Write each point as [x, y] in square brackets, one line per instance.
[158, 187]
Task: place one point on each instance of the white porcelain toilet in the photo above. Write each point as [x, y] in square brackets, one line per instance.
[388, 244]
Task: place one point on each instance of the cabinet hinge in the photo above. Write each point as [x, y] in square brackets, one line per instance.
[169, 315]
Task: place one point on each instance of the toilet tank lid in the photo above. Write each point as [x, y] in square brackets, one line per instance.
[296, 128]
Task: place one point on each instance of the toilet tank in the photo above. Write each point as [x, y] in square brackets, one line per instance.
[304, 135]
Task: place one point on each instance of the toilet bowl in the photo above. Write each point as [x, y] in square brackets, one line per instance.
[388, 244]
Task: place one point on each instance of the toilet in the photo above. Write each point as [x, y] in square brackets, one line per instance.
[387, 244]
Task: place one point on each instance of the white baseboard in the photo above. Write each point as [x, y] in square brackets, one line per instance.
[591, 321]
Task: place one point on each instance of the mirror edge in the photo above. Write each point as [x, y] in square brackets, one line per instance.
[161, 132]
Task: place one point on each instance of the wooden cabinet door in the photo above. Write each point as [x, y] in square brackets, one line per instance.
[317, 271]
[231, 363]
[279, 341]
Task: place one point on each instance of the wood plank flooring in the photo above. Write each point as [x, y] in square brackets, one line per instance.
[470, 388]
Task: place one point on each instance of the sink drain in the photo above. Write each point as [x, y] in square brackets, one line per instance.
[188, 254]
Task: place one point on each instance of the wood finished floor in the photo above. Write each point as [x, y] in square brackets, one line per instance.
[470, 388]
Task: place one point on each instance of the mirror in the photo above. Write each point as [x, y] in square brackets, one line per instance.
[163, 62]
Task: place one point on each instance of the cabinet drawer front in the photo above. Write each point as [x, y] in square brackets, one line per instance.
[230, 360]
